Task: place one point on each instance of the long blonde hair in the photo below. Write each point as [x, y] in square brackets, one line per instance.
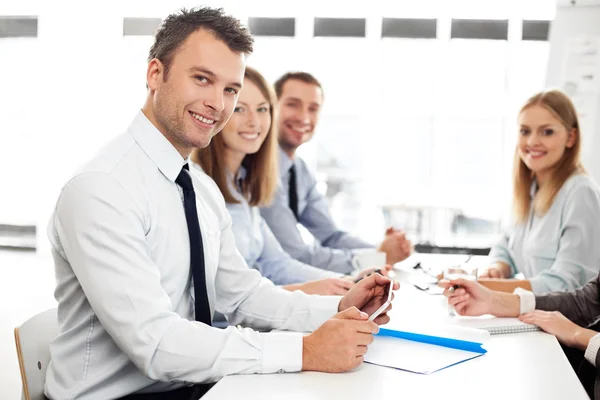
[561, 107]
[260, 183]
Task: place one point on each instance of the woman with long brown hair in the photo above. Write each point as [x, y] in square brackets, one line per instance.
[555, 241]
[242, 160]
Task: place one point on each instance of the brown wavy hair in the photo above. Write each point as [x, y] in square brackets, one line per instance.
[561, 107]
[262, 173]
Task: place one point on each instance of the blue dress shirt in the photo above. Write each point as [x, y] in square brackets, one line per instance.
[333, 248]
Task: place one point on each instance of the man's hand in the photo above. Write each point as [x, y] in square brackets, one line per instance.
[324, 287]
[368, 295]
[558, 325]
[471, 298]
[340, 343]
[396, 246]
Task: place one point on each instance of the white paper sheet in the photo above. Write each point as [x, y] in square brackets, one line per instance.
[419, 357]
[413, 356]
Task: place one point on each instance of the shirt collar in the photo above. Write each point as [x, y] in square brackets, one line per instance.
[157, 147]
[232, 182]
[241, 174]
[285, 162]
[533, 189]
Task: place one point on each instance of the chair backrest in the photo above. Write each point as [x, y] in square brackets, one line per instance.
[33, 350]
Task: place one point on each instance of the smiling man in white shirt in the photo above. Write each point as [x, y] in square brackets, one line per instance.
[138, 278]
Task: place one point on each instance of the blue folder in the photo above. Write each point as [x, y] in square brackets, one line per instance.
[425, 356]
[435, 340]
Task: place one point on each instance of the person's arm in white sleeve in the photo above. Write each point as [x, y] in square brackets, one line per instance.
[102, 231]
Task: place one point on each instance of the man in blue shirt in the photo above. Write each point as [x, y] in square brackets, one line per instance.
[298, 200]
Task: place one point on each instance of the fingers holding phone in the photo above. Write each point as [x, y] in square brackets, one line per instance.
[386, 305]
[371, 295]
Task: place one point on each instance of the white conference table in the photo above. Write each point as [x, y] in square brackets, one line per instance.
[517, 366]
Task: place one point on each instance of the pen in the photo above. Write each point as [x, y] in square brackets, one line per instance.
[453, 288]
[425, 271]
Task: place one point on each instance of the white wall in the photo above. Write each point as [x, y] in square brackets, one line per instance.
[78, 84]
[572, 22]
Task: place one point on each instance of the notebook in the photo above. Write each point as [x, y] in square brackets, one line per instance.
[425, 350]
[495, 325]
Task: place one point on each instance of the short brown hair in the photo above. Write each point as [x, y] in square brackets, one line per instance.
[176, 28]
[299, 76]
[261, 178]
[561, 107]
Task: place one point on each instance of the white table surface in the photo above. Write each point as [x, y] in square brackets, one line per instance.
[517, 366]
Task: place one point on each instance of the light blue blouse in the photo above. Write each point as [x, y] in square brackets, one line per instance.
[561, 249]
[260, 248]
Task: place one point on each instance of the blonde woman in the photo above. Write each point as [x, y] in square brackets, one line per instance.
[554, 242]
[242, 161]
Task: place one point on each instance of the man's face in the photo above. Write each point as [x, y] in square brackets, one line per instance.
[199, 93]
[299, 107]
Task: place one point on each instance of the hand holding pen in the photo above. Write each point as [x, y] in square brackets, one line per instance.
[467, 297]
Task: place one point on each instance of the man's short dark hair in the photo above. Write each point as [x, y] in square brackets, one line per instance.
[176, 28]
[299, 76]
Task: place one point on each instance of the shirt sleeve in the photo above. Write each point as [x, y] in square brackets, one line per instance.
[102, 232]
[578, 257]
[527, 300]
[278, 266]
[246, 298]
[591, 352]
[581, 306]
[283, 225]
[500, 253]
[316, 218]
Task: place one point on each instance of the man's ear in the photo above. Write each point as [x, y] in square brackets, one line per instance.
[154, 74]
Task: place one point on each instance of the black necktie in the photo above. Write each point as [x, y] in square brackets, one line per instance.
[196, 249]
[293, 192]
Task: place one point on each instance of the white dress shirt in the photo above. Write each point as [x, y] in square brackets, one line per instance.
[124, 289]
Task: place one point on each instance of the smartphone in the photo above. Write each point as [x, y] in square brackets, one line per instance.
[385, 304]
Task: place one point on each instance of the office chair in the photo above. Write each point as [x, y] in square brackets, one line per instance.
[32, 339]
